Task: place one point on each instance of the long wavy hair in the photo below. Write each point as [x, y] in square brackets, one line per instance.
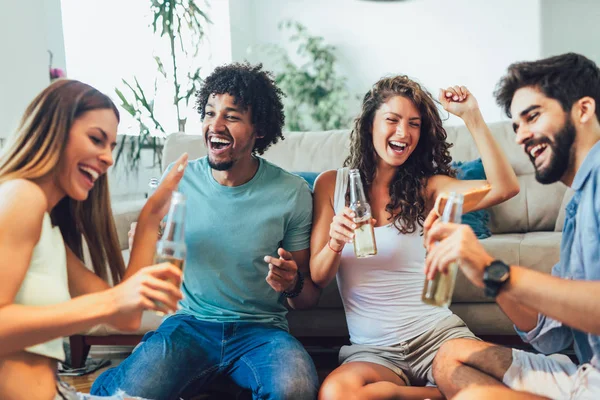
[34, 152]
[430, 157]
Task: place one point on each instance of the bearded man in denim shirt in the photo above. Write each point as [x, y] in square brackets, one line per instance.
[555, 107]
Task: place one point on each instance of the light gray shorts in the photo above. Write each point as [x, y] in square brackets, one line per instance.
[555, 376]
[410, 360]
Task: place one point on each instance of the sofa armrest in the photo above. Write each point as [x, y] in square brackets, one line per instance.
[126, 212]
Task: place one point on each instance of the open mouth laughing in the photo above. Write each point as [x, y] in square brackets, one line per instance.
[219, 144]
[538, 153]
[90, 174]
[398, 147]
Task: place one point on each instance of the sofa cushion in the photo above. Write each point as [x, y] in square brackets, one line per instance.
[540, 250]
[477, 220]
[484, 319]
[309, 177]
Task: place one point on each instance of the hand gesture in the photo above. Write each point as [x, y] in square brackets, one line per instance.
[283, 271]
[341, 230]
[160, 201]
[455, 242]
[458, 100]
[152, 288]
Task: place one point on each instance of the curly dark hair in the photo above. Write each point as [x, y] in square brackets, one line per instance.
[565, 78]
[251, 88]
[430, 157]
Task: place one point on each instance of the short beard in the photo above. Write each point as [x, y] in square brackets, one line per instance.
[222, 166]
[560, 158]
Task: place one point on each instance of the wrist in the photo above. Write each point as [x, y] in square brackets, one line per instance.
[104, 305]
[336, 247]
[472, 118]
[296, 289]
[495, 277]
[148, 217]
[292, 285]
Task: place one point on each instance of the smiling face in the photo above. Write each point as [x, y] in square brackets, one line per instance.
[88, 153]
[396, 130]
[545, 131]
[228, 132]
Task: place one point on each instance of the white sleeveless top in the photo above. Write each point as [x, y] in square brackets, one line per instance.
[382, 294]
[46, 282]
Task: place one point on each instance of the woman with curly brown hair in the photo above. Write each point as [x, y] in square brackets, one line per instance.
[399, 146]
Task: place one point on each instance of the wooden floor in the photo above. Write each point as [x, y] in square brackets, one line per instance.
[325, 361]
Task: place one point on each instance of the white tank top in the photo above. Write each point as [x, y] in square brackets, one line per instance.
[382, 294]
[46, 282]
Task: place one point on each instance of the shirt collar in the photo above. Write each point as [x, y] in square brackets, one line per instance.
[592, 159]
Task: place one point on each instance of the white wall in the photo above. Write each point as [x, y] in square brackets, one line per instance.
[571, 26]
[28, 29]
[439, 42]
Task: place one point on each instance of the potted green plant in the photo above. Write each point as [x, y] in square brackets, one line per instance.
[316, 95]
[182, 24]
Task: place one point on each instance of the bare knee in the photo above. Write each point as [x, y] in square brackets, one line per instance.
[449, 354]
[334, 388]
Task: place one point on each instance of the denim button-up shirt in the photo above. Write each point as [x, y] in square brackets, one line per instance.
[579, 259]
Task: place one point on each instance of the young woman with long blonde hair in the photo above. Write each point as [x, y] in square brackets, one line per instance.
[53, 195]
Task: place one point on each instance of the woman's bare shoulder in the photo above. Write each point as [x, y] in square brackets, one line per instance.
[22, 200]
[327, 178]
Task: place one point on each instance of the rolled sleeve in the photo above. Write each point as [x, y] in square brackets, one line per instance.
[549, 336]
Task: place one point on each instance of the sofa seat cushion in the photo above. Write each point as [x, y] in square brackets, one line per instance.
[484, 319]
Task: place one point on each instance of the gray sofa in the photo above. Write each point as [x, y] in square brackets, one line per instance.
[526, 231]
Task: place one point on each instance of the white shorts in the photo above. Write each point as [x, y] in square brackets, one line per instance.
[555, 376]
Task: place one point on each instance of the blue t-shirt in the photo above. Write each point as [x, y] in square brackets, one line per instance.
[229, 231]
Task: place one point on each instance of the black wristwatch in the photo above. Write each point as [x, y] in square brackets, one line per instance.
[495, 276]
[297, 289]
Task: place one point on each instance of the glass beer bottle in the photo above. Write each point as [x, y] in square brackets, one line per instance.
[439, 290]
[171, 246]
[364, 236]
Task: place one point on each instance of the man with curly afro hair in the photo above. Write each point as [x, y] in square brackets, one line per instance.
[248, 233]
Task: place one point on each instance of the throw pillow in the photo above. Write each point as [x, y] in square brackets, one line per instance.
[309, 177]
[477, 220]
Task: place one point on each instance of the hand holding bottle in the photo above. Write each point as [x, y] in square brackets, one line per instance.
[152, 288]
[438, 288]
[341, 230]
[364, 235]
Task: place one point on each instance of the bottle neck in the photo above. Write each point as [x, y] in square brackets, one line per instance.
[357, 193]
[175, 224]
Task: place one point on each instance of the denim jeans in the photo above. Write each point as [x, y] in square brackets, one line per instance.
[184, 351]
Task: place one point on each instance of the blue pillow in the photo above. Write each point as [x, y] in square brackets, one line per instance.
[477, 220]
[309, 177]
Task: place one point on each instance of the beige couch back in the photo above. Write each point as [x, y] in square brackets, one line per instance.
[535, 208]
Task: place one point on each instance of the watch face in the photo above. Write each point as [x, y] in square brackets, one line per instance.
[497, 271]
